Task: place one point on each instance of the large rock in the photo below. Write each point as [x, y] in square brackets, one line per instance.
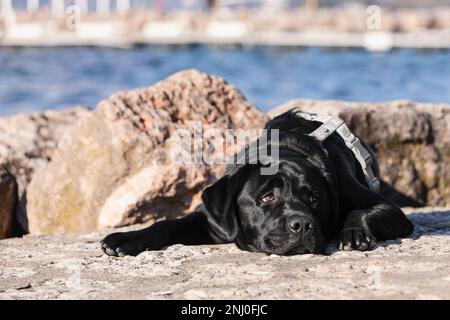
[412, 141]
[112, 168]
[8, 200]
[27, 142]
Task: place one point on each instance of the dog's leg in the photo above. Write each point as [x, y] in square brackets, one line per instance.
[190, 230]
[372, 218]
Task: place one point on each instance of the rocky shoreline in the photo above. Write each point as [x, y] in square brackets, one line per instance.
[69, 177]
[372, 27]
[102, 160]
[299, 19]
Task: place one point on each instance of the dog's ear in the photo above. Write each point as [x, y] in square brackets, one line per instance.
[220, 203]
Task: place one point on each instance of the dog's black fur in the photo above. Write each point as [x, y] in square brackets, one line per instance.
[318, 194]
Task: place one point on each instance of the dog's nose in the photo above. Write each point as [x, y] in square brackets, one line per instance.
[299, 224]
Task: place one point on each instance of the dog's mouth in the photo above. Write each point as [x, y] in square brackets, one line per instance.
[281, 245]
[285, 245]
[300, 249]
[292, 249]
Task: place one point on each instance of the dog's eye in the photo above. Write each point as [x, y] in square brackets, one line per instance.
[268, 198]
[313, 199]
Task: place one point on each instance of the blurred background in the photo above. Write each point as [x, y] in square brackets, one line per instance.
[60, 53]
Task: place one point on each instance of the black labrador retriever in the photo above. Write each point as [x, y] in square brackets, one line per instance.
[319, 193]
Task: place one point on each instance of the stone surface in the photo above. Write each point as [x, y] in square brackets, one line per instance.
[74, 267]
[27, 143]
[8, 200]
[412, 142]
[115, 166]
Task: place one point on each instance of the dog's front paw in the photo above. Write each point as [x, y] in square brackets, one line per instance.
[356, 239]
[122, 244]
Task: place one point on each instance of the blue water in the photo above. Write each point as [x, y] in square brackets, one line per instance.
[35, 79]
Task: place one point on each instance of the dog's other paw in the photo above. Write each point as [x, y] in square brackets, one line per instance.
[356, 239]
[122, 244]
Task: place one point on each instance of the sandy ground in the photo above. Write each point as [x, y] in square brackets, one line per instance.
[73, 267]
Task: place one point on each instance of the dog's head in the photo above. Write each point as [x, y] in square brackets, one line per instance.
[290, 212]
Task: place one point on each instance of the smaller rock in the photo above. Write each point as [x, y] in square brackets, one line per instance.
[411, 140]
[8, 200]
[27, 142]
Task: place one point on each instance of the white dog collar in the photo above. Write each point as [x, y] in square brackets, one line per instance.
[331, 124]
